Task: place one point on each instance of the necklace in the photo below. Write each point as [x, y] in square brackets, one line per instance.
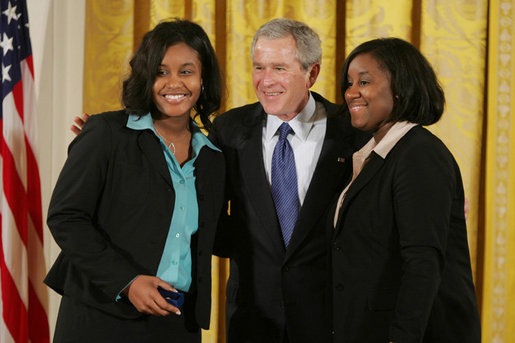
[171, 146]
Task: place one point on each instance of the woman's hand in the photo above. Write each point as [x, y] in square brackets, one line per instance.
[143, 294]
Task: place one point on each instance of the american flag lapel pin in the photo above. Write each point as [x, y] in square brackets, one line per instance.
[341, 159]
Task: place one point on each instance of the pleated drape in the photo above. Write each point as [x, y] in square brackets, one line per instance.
[478, 82]
[453, 38]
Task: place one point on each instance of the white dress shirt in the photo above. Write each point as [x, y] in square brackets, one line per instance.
[309, 127]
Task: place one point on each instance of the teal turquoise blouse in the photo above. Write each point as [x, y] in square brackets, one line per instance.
[175, 265]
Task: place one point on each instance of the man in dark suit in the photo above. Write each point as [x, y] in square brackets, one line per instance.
[275, 237]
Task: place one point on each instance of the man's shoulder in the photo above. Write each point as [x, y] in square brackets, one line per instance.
[243, 116]
[243, 111]
[330, 107]
[320, 98]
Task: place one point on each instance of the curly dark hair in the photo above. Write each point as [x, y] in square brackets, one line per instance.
[137, 88]
[418, 96]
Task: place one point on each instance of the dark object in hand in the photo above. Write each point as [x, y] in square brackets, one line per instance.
[174, 298]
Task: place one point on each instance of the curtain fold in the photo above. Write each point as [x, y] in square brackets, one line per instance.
[453, 38]
[108, 48]
[470, 44]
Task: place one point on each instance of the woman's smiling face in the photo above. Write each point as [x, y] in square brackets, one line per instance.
[178, 82]
[368, 94]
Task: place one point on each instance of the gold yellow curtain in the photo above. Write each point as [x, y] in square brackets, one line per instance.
[479, 83]
[498, 315]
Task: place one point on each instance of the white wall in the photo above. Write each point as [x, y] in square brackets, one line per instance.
[57, 34]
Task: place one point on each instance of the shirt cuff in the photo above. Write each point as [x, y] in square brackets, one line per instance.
[119, 296]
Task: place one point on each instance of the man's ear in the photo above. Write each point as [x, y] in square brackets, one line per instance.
[313, 72]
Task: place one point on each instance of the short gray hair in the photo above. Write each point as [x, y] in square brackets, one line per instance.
[309, 49]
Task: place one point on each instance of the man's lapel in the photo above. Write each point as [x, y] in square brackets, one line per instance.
[255, 183]
[334, 164]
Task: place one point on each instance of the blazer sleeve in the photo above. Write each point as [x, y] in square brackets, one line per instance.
[424, 187]
[222, 245]
[73, 207]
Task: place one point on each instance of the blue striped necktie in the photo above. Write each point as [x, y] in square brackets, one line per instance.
[284, 183]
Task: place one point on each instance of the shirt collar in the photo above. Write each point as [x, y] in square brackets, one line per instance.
[145, 122]
[385, 145]
[301, 123]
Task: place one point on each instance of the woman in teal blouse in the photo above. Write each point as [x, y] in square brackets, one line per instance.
[135, 207]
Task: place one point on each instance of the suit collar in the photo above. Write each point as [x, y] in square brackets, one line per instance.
[394, 135]
[373, 165]
[151, 148]
[255, 183]
[332, 165]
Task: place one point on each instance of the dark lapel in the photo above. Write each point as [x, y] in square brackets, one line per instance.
[327, 178]
[209, 173]
[256, 186]
[369, 171]
[153, 151]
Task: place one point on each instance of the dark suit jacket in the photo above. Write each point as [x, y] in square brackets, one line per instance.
[401, 266]
[272, 289]
[111, 210]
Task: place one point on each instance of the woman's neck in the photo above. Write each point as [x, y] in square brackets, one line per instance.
[382, 131]
[176, 134]
[174, 126]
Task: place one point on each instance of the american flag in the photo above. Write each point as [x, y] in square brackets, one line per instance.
[23, 297]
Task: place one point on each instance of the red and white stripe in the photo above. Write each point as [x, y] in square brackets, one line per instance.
[23, 296]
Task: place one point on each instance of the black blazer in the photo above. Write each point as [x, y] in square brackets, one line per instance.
[400, 258]
[110, 213]
[272, 289]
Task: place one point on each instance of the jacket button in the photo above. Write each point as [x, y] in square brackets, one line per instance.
[339, 287]
[286, 269]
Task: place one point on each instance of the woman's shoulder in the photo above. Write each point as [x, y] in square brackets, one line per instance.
[421, 143]
[99, 128]
[111, 118]
[419, 137]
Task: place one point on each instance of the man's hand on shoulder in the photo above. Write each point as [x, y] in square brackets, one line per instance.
[78, 123]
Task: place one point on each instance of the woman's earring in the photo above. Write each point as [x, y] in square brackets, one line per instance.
[202, 89]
